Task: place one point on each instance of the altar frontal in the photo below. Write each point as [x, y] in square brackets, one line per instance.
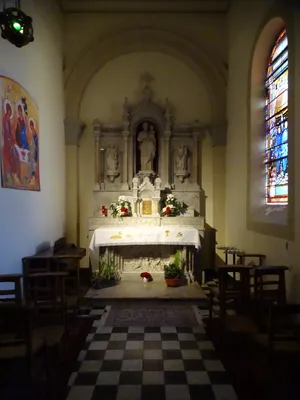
[162, 235]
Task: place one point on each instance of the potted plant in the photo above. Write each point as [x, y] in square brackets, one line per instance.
[172, 272]
[107, 274]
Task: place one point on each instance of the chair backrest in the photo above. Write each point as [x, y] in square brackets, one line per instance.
[255, 259]
[13, 294]
[229, 286]
[269, 283]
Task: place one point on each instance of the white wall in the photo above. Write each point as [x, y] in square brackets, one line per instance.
[245, 21]
[31, 218]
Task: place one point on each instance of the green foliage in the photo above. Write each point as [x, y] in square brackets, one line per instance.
[173, 270]
[177, 259]
[107, 268]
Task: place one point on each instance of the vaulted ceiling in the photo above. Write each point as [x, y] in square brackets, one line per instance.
[148, 6]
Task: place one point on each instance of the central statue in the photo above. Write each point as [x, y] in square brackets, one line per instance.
[147, 145]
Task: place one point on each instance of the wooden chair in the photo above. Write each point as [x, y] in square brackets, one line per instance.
[269, 284]
[244, 257]
[47, 300]
[14, 295]
[17, 338]
[232, 294]
[230, 291]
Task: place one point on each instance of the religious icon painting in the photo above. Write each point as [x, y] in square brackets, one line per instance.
[19, 139]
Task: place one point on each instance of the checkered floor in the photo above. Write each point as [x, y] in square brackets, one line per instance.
[161, 363]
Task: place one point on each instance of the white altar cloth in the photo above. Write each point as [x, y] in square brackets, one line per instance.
[146, 235]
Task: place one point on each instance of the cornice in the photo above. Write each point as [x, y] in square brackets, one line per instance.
[146, 6]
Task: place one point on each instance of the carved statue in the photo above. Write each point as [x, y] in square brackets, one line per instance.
[112, 163]
[112, 158]
[181, 159]
[147, 141]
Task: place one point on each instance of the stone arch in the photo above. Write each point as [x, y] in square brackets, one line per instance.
[133, 40]
[278, 224]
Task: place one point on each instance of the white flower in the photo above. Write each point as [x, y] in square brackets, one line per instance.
[122, 198]
[170, 196]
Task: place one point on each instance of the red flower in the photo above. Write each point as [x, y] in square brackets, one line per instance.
[123, 209]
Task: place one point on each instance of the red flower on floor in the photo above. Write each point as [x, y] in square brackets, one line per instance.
[147, 276]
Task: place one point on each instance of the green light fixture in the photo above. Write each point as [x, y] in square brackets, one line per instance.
[16, 26]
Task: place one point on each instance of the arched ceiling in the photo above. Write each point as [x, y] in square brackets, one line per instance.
[117, 6]
[128, 41]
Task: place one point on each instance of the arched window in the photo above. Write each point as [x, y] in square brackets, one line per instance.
[276, 145]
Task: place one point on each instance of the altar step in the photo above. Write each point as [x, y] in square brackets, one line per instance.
[132, 287]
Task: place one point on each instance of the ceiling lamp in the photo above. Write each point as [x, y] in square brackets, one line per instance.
[16, 26]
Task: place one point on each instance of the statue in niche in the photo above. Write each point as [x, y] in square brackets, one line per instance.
[147, 145]
[181, 159]
[181, 162]
[112, 162]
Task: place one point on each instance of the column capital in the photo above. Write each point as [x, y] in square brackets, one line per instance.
[73, 131]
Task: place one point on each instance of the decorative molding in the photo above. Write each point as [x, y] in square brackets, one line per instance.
[146, 6]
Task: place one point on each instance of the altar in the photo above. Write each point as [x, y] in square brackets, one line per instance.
[156, 245]
[152, 165]
[131, 236]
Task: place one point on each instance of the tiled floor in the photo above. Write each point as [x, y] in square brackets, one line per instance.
[140, 363]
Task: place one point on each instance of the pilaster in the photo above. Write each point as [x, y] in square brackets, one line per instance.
[73, 132]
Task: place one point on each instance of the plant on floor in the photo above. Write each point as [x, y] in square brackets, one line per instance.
[172, 272]
[107, 269]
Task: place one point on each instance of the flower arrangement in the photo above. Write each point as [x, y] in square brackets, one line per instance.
[122, 208]
[146, 277]
[171, 206]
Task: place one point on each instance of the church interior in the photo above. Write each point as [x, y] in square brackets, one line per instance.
[158, 254]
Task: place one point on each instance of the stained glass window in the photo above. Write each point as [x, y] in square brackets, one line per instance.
[276, 145]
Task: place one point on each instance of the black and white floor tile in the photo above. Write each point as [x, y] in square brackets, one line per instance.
[140, 363]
